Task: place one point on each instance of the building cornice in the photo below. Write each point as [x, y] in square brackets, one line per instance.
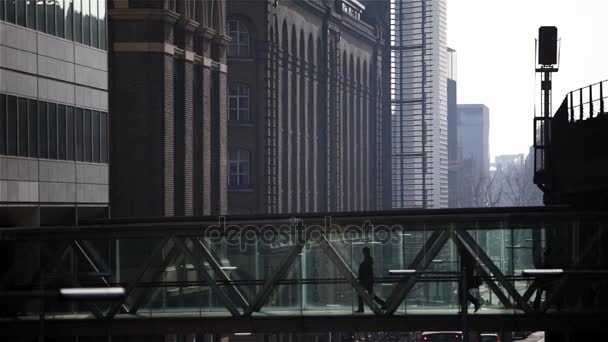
[139, 14]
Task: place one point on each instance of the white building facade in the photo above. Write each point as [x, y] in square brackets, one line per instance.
[419, 128]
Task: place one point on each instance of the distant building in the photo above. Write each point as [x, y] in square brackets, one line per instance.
[53, 112]
[455, 164]
[304, 107]
[168, 87]
[419, 127]
[474, 137]
[506, 161]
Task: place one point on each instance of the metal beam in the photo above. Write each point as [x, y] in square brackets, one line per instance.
[279, 274]
[200, 248]
[202, 273]
[425, 256]
[138, 278]
[346, 272]
[530, 291]
[485, 260]
[504, 299]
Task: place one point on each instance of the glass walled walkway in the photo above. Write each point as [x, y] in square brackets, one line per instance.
[516, 262]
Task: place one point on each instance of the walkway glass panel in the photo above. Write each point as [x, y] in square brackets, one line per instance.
[308, 266]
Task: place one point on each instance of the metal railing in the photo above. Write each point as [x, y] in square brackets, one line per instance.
[587, 102]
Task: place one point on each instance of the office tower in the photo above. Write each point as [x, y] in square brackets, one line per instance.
[474, 136]
[305, 110]
[53, 112]
[419, 128]
[168, 87]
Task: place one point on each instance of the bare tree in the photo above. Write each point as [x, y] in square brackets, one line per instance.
[487, 192]
[519, 187]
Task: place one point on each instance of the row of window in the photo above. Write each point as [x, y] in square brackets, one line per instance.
[83, 21]
[39, 129]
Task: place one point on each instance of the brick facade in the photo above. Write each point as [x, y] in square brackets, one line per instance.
[314, 73]
[168, 151]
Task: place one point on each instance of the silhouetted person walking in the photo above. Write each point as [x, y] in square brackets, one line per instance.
[467, 265]
[366, 279]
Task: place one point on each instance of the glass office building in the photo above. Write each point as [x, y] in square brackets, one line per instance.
[419, 68]
[54, 120]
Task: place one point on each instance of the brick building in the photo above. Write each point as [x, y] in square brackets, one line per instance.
[305, 110]
[168, 138]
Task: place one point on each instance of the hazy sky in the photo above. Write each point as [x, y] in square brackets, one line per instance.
[494, 40]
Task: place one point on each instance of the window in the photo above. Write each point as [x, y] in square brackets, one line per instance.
[94, 25]
[78, 21]
[32, 112]
[20, 12]
[86, 128]
[86, 22]
[22, 148]
[69, 20]
[239, 45]
[2, 121]
[238, 161]
[61, 133]
[31, 14]
[79, 135]
[11, 125]
[50, 17]
[2, 4]
[52, 124]
[238, 102]
[41, 15]
[102, 25]
[104, 137]
[95, 136]
[10, 11]
[70, 133]
[59, 18]
[43, 148]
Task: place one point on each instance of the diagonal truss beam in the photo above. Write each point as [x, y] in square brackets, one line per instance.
[280, 273]
[93, 257]
[484, 261]
[530, 290]
[200, 248]
[202, 273]
[140, 277]
[422, 260]
[54, 260]
[487, 276]
[347, 273]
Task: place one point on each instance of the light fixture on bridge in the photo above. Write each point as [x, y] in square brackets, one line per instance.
[543, 272]
[401, 272]
[406, 234]
[228, 268]
[92, 292]
[242, 334]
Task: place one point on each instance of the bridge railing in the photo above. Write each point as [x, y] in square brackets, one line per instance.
[308, 265]
[588, 102]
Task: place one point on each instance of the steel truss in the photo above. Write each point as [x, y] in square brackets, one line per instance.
[188, 245]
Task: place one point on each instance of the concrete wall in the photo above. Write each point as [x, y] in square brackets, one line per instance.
[52, 181]
[39, 66]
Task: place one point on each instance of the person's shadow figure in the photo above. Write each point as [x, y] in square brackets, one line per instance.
[366, 279]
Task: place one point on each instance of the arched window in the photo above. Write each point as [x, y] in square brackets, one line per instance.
[238, 102]
[238, 162]
[239, 45]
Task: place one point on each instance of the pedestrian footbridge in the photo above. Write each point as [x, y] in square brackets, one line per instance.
[541, 268]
